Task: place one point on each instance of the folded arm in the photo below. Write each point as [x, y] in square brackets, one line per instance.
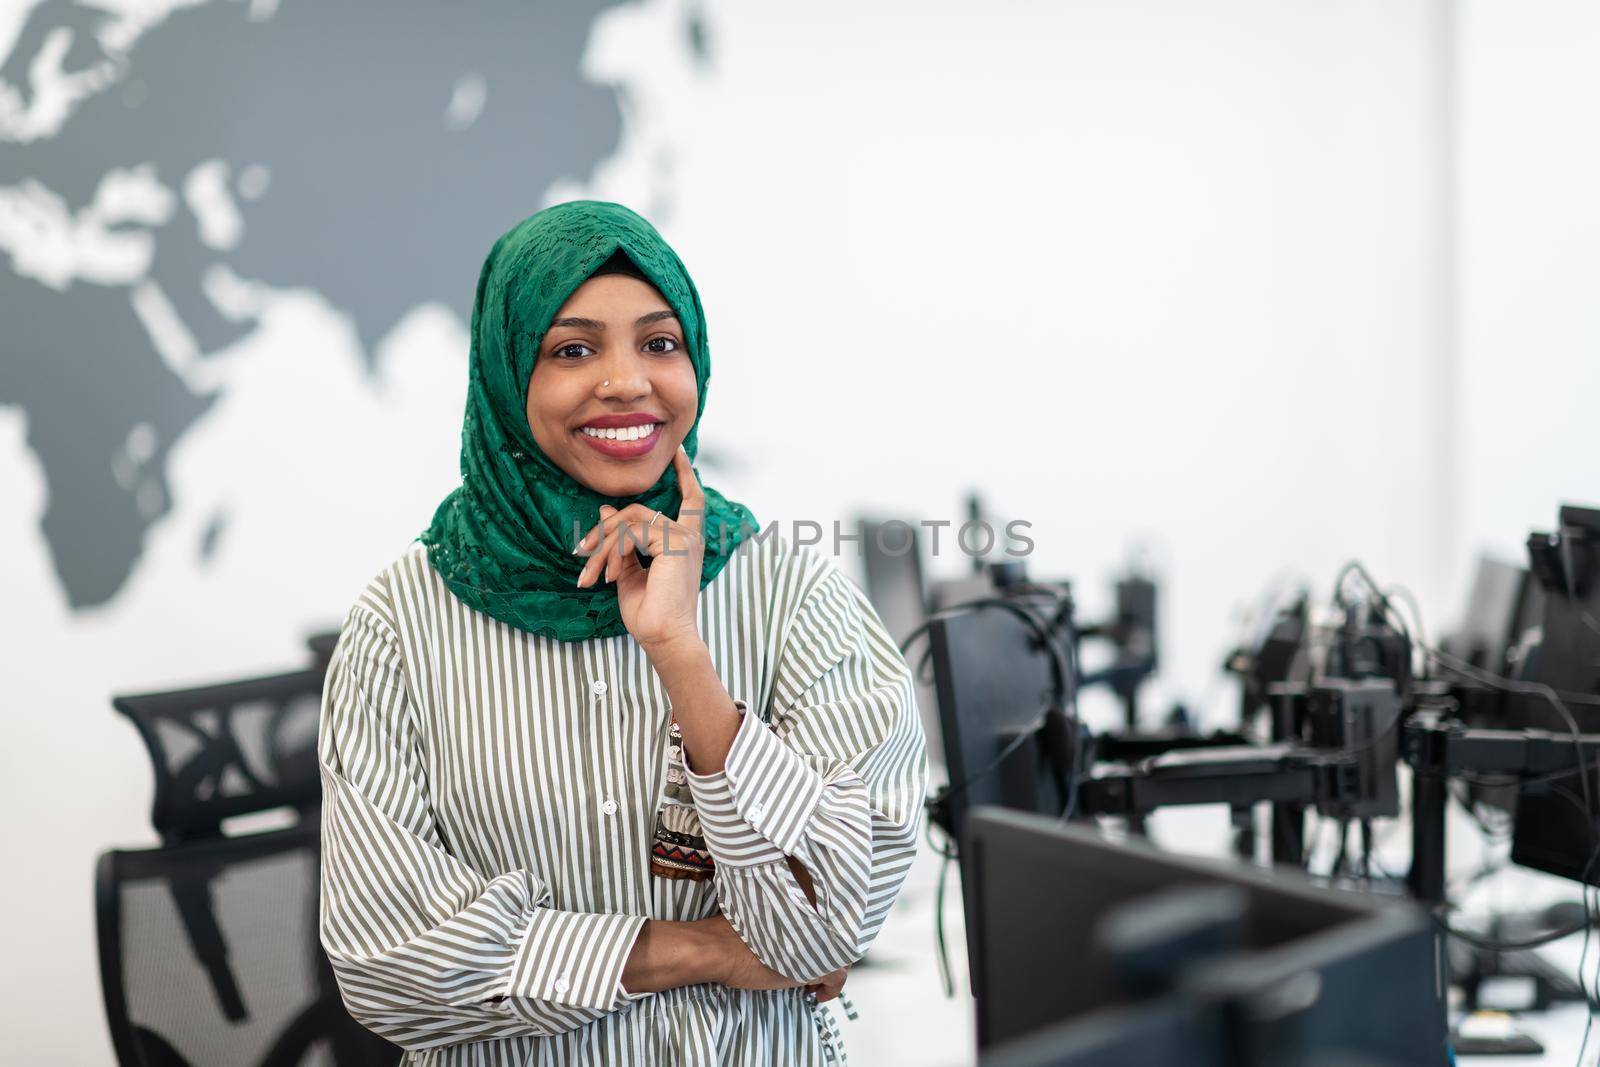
[813, 819]
[427, 951]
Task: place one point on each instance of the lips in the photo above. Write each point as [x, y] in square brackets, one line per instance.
[620, 444]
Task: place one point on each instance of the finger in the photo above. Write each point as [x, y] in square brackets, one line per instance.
[593, 565]
[596, 540]
[609, 518]
[632, 571]
[630, 539]
[623, 540]
[649, 521]
[586, 542]
[599, 560]
[826, 988]
[623, 533]
[639, 530]
[589, 542]
[692, 513]
[658, 535]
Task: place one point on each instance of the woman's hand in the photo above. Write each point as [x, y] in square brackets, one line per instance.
[828, 986]
[658, 604]
[732, 962]
[738, 968]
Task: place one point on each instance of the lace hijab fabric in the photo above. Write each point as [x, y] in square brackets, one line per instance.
[503, 539]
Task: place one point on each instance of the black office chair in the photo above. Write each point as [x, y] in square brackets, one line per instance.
[209, 951]
[321, 645]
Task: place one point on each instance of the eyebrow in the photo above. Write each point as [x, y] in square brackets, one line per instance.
[596, 324]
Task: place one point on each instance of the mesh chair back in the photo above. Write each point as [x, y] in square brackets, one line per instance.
[209, 950]
[231, 749]
[209, 956]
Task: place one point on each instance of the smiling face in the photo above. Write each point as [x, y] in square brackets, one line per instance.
[613, 390]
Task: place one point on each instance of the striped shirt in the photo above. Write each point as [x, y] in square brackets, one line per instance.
[490, 797]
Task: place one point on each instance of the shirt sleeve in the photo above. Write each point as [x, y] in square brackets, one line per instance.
[427, 951]
[837, 781]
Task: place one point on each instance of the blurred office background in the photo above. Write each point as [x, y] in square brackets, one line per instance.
[1241, 288]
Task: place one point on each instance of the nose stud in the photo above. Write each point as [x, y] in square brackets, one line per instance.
[606, 382]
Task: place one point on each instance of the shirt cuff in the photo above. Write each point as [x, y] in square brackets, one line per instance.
[755, 810]
[624, 998]
[574, 958]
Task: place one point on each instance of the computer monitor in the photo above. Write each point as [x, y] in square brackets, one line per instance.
[1485, 630]
[995, 681]
[948, 592]
[1365, 971]
[891, 552]
[1567, 565]
[995, 684]
[1554, 831]
[1168, 1030]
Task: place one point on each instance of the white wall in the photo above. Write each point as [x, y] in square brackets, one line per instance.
[1143, 269]
[1155, 271]
[1526, 270]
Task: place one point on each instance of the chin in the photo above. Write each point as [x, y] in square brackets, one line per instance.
[621, 488]
[622, 483]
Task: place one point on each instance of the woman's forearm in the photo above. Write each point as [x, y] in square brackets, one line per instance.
[669, 954]
[699, 700]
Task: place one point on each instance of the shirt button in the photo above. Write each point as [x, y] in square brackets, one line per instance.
[756, 809]
[562, 985]
[598, 688]
[609, 807]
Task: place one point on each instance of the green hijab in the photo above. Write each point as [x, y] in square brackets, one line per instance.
[503, 539]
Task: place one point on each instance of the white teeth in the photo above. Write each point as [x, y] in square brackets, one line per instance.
[627, 433]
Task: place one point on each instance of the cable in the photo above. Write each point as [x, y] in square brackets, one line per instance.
[1064, 673]
[1064, 668]
[1494, 681]
[1065, 682]
[1344, 843]
[1355, 566]
[1591, 904]
[1502, 781]
[943, 958]
[1496, 945]
[972, 779]
[1591, 894]
[1416, 617]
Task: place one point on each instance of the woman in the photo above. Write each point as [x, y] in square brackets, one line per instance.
[609, 776]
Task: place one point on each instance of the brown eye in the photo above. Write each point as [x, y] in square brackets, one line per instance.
[567, 351]
[650, 345]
